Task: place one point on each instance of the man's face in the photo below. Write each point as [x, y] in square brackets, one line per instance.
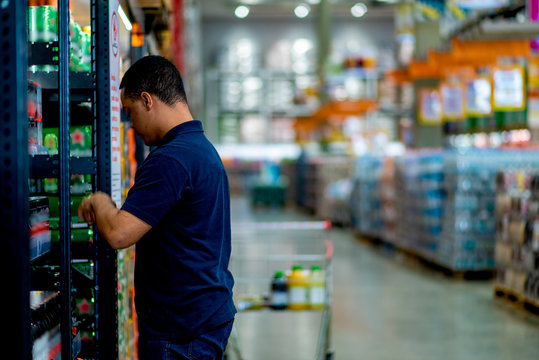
[136, 111]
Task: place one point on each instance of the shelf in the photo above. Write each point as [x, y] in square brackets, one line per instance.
[41, 256]
[496, 26]
[45, 166]
[395, 110]
[45, 277]
[357, 73]
[49, 80]
[501, 30]
[43, 53]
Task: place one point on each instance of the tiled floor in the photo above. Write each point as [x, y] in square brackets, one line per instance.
[387, 308]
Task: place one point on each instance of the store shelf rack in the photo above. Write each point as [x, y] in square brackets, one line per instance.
[19, 275]
[13, 179]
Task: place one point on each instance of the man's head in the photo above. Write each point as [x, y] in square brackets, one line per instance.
[150, 87]
[154, 75]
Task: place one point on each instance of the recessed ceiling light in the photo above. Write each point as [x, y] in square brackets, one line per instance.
[302, 10]
[358, 10]
[241, 11]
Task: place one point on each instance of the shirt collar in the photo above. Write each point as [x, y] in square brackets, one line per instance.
[183, 128]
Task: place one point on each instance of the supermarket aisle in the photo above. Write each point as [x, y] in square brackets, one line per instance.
[386, 308]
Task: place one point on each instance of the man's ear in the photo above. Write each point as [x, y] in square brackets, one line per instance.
[147, 100]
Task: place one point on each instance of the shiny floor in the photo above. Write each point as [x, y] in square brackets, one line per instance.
[386, 307]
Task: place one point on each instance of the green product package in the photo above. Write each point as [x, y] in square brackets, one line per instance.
[77, 235]
[86, 60]
[42, 23]
[81, 141]
[81, 184]
[50, 140]
[54, 208]
[50, 185]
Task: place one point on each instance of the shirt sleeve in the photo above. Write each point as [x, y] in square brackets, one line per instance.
[159, 184]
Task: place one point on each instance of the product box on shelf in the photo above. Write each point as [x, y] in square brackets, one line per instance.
[38, 221]
[517, 231]
[446, 205]
[35, 119]
[419, 201]
[366, 205]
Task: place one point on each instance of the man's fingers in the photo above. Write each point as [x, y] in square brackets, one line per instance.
[86, 212]
[81, 210]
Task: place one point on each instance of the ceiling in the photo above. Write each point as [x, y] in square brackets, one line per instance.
[285, 8]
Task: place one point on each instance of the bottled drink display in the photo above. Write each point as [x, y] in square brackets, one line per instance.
[317, 288]
[445, 202]
[298, 284]
[279, 291]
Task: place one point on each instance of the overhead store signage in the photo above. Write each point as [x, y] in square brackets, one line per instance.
[452, 95]
[430, 107]
[429, 9]
[509, 88]
[481, 4]
[533, 92]
[479, 97]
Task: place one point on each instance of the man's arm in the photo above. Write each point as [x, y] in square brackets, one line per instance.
[120, 228]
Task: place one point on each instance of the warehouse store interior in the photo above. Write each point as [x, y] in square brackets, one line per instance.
[382, 159]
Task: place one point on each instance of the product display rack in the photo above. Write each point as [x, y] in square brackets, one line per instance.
[13, 178]
[106, 261]
[55, 271]
[265, 100]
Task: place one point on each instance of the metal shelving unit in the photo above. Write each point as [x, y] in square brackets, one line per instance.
[54, 270]
[262, 101]
[14, 268]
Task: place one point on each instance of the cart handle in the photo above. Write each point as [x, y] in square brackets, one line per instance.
[329, 250]
[284, 225]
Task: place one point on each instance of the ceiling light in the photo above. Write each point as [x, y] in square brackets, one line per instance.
[241, 11]
[125, 19]
[302, 10]
[358, 10]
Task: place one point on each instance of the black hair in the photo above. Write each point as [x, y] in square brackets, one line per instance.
[157, 76]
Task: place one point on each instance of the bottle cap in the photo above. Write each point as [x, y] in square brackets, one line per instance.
[279, 274]
[296, 267]
[316, 268]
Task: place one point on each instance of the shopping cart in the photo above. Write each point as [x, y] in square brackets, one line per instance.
[258, 251]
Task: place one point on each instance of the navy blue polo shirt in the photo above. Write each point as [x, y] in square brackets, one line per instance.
[182, 283]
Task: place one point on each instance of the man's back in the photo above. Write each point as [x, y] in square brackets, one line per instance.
[183, 286]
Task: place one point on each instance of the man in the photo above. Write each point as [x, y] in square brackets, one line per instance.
[178, 214]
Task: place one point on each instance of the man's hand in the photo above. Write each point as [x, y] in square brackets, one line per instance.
[120, 228]
[86, 209]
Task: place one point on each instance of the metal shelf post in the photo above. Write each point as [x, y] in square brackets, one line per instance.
[64, 178]
[14, 206]
[106, 260]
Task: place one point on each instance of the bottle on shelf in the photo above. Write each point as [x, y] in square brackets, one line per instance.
[317, 288]
[279, 291]
[297, 289]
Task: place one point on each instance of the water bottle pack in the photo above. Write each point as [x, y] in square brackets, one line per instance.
[444, 202]
[366, 204]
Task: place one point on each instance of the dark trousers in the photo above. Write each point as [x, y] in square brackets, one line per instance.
[208, 346]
